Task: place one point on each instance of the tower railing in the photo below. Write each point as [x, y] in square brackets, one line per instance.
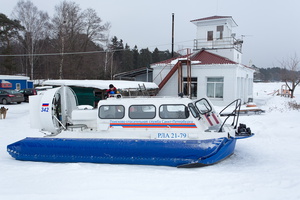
[224, 43]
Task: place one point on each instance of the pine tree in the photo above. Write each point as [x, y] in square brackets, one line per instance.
[155, 55]
[145, 58]
[127, 59]
[136, 55]
[8, 32]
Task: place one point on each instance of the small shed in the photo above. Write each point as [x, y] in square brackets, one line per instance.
[141, 74]
[15, 82]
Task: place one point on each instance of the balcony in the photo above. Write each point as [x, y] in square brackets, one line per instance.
[225, 43]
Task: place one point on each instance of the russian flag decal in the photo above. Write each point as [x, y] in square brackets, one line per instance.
[45, 104]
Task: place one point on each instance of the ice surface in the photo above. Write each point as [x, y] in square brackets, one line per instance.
[265, 166]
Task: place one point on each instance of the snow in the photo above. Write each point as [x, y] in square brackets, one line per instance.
[265, 166]
[102, 84]
[10, 77]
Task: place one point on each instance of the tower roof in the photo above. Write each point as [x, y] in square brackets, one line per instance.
[212, 18]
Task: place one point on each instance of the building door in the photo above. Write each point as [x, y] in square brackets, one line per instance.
[193, 89]
[18, 86]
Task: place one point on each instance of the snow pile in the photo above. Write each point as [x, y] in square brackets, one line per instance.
[102, 84]
[265, 166]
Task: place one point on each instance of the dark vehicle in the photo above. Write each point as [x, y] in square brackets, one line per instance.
[28, 92]
[10, 96]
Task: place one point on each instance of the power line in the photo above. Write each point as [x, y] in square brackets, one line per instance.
[54, 54]
[76, 53]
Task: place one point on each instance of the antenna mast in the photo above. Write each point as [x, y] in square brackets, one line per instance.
[172, 35]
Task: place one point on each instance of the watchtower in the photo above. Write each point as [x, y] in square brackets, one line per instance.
[215, 34]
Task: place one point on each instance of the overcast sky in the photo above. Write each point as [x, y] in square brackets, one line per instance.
[271, 27]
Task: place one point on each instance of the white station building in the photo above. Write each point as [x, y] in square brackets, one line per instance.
[214, 68]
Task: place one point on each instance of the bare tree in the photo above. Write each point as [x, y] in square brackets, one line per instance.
[74, 30]
[94, 31]
[36, 24]
[66, 23]
[291, 75]
[93, 28]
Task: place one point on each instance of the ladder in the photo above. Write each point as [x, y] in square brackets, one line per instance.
[143, 90]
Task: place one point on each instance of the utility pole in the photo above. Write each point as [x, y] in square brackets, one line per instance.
[62, 58]
[62, 50]
[31, 57]
[111, 65]
[172, 35]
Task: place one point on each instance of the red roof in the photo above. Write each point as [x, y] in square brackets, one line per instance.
[207, 58]
[210, 18]
[204, 57]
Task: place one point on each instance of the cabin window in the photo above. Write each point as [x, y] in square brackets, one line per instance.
[142, 111]
[111, 111]
[193, 86]
[210, 35]
[215, 87]
[171, 111]
[193, 110]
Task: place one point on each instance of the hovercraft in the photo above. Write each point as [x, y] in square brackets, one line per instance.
[175, 131]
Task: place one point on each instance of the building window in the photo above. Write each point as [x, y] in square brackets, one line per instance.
[220, 30]
[215, 87]
[210, 35]
[193, 86]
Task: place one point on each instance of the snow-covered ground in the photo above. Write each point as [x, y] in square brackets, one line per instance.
[266, 166]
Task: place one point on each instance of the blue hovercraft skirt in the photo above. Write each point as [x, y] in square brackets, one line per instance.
[177, 153]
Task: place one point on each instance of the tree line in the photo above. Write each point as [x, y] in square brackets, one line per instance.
[73, 44]
[288, 72]
[275, 74]
[269, 74]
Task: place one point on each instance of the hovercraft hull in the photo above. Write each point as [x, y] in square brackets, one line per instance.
[176, 153]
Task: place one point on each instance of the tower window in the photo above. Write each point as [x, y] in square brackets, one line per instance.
[220, 30]
[210, 35]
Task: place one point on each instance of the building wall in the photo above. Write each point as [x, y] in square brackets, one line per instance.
[171, 87]
[231, 54]
[160, 72]
[238, 81]
[30, 84]
[244, 82]
[13, 84]
[225, 71]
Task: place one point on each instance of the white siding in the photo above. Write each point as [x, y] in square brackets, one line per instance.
[231, 54]
[204, 26]
[237, 81]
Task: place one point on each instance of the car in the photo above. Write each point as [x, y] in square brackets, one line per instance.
[10, 96]
[28, 92]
